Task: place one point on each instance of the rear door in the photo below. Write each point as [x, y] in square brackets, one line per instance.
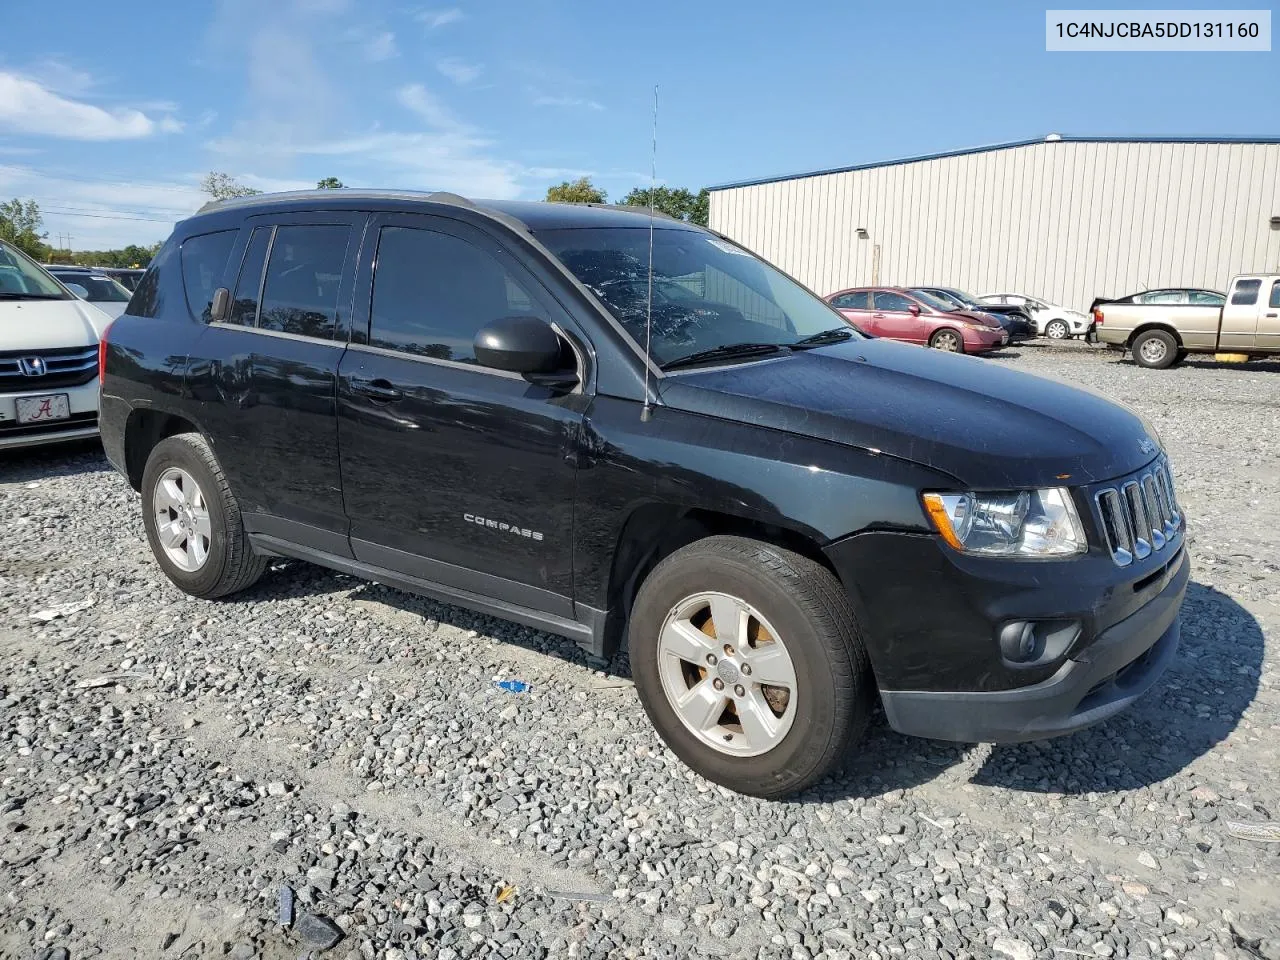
[452, 472]
[1241, 313]
[266, 376]
[894, 319]
[856, 307]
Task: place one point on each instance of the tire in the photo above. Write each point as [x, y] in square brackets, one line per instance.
[947, 340]
[1057, 330]
[1179, 357]
[788, 597]
[1155, 349]
[208, 553]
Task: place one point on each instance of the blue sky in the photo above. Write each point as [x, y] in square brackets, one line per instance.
[111, 118]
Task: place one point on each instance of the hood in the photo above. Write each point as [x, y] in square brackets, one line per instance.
[47, 324]
[112, 308]
[986, 425]
[978, 316]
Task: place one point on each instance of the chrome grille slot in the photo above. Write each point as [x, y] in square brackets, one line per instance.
[1139, 516]
[63, 367]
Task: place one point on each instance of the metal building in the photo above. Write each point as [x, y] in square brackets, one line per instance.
[1064, 218]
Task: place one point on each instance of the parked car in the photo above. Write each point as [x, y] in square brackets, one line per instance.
[1161, 331]
[48, 356]
[127, 277]
[102, 291]
[782, 520]
[1015, 320]
[1169, 295]
[1047, 319]
[896, 314]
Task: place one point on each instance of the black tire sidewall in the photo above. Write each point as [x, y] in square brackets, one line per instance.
[816, 719]
[179, 452]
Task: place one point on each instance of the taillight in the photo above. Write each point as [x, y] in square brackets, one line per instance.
[1097, 315]
[102, 354]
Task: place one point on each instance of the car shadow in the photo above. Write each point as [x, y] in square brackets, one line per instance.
[67, 459]
[1193, 707]
[1206, 362]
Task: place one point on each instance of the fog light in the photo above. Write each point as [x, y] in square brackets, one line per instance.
[1018, 641]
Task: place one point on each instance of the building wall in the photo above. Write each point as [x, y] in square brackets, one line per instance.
[1064, 220]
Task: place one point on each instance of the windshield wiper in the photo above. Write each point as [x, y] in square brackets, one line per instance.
[822, 338]
[6, 295]
[729, 351]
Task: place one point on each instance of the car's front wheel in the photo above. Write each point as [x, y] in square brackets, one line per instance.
[193, 522]
[1057, 330]
[749, 663]
[947, 340]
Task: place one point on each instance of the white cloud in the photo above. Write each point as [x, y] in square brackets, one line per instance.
[428, 106]
[381, 46]
[435, 19]
[574, 102]
[27, 106]
[458, 70]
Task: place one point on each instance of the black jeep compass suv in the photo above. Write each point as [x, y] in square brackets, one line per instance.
[630, 430]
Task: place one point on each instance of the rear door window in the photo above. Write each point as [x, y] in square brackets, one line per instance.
[204, 259]
[1245, 293]
[304, 274]
[244, 307]
[850, 301]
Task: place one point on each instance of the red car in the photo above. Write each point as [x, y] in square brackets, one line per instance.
[895, 314]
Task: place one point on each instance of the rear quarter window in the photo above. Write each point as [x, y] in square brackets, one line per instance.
[204, 261]
[150, 299]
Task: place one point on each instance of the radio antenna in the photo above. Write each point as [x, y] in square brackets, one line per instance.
[647, 410]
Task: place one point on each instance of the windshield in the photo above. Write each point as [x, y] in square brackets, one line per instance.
[21, 278]
[964, 299]
[707, 292]
[101, 289]
[936, 302]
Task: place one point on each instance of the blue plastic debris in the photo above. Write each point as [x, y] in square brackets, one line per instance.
[513, 686]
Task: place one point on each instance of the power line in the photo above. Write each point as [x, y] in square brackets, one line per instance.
[102, 216]
[137, 211]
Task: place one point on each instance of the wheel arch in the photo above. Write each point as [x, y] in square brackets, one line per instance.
[1154, 325]
[654, 531]
[145, 428]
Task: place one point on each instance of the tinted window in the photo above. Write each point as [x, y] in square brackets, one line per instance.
[1246, 292]
[245, 308]
[303, 276]
[203, 260]
[147, 300]
[1275, 295]
[892, 301]
[1207, 298]
[850, 301]
[433, 292]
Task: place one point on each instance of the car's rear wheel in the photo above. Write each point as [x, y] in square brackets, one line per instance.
[1155, 349]
[1057, 330]
[193, 522]
[947, 340]
[749, 663]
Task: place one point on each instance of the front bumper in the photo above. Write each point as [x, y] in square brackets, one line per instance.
[82, 402]
[1104, 678]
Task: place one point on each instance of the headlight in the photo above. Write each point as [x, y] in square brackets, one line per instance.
[1026, 523]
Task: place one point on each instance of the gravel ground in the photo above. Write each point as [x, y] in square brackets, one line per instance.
[167, 764]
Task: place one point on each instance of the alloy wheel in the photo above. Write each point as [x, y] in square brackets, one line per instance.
[182, 519]
[1154, 350]
[946, 341]
[727, 674]
[1056, 330]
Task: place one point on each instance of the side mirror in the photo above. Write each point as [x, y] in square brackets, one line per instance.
[220, 308]
[914, 309]
[524, 345]
[79, 291]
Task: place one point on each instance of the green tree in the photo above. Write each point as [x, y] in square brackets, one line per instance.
[330, 183]
[22, 225]
[674, 202]
[223, 186]
[581, 190]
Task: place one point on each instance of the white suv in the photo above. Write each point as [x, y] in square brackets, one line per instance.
[48, 356]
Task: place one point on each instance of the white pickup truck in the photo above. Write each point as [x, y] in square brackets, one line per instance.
[1160, 327]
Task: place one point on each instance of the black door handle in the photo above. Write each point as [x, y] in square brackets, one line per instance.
[379, 389]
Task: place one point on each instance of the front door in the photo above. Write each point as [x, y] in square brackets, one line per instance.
[454, 473]
[894, 319]
[1269, 321]
[266, 376]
